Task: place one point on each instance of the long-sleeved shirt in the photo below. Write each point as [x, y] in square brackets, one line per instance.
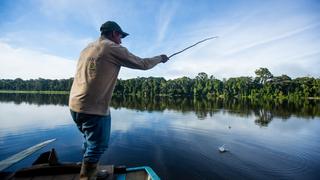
[96, 75]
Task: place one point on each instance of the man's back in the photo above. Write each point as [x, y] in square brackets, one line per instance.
[94, 80]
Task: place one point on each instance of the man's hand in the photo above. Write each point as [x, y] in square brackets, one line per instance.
[164, 58]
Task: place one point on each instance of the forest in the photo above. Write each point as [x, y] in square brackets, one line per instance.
[263, 85]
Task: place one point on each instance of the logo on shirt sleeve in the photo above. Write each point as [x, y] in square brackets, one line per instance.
[92, 65]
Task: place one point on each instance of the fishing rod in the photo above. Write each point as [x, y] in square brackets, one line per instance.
[192, 46]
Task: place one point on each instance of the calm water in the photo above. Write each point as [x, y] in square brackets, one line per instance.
[178, 138]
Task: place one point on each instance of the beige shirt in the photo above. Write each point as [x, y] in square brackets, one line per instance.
[97, 72]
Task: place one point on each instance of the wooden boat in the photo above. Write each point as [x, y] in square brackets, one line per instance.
[48, 167]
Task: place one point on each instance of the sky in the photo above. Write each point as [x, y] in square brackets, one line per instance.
[43, 38]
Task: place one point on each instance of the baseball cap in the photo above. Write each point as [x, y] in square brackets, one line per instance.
[112, 26]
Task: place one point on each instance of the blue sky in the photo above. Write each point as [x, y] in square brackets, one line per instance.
[43, 38]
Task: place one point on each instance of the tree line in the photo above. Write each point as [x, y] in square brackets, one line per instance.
[36, 84]
[264, 85]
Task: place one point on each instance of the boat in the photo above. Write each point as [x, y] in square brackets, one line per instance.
[47, 166]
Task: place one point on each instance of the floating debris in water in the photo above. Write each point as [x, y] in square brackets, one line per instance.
[222, 149]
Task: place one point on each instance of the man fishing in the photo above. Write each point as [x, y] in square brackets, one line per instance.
[91, 91]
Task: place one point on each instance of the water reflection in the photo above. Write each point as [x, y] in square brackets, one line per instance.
[38, 99]
[159, 132]
[264, 111]
[263, 117]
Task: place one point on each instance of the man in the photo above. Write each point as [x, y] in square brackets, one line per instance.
[94, 82]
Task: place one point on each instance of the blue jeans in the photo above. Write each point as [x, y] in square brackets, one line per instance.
[96, 133]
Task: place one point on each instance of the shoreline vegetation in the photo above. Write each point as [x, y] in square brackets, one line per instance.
[264, 86]
[33, 92]
[68, 92]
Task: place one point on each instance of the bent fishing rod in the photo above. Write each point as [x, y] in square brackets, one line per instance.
[192, 46]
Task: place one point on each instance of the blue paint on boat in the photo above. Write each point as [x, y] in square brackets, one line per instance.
[147, 169]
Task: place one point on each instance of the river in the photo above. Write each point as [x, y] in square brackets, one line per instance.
[178, 137]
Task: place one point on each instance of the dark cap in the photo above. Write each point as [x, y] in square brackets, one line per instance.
[112, 26]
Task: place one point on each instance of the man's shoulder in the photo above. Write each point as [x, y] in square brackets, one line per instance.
[107, 42]
[100, 43]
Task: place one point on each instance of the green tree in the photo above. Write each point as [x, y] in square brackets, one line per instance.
[263, 75]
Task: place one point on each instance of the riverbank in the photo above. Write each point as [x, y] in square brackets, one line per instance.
[160, 95]
[33, 92]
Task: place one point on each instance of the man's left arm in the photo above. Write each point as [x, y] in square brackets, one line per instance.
[125, 58]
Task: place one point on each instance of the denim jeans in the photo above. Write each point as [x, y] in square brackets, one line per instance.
[96, 133]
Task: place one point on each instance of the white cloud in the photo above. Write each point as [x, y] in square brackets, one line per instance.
[55, 43]
[27, 64]
[164, 19]
[270, 39]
